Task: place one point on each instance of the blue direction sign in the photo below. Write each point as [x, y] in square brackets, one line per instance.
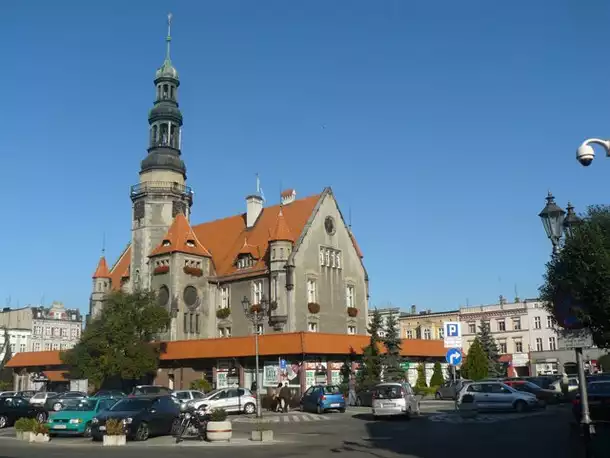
[454, 356]
[282, 364]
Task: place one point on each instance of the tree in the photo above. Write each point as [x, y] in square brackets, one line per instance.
[478, 363]
[346, 369]
[437, 375]
[488, 343]
[421, 376]
[392, 372]
[6, 374]
[577, 279]
[118, 343]
[370, 372]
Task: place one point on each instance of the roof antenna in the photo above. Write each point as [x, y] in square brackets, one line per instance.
[168, 39]
[104, 243]
[350, 218]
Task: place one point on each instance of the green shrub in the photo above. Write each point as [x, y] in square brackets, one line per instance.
[25, 424]
[421, 376]
[115, 427]
[201, 385]
[218, 415]
[437, 375]
[40, 428]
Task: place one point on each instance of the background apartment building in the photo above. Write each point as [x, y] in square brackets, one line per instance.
[425, 324]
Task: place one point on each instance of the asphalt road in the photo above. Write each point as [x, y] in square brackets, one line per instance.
[355, 434]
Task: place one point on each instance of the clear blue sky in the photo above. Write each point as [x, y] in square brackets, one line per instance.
[445, 123]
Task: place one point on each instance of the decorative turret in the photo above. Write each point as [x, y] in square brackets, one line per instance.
[101, 287]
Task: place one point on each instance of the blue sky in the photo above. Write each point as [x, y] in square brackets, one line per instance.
[440, 124]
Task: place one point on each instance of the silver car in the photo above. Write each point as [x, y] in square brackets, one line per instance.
[391, 399]
[498, 396]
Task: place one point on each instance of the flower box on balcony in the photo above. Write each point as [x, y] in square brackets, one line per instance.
[223, 313]
[313, 307]
[352, 312]
[161, 270]
[194, 271]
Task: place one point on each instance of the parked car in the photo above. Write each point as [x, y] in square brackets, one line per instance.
[188, 395]
[321, 398]
[25, 394]
[572, 385]
[143, 416]
[77, 414]
[113, 394]
[544, 396]
[11, 409]
[41, 397]
[233, 400]
[56, 403]
[598, 394]
[150, 390]
[8, 394]
[498, 396]
[450, 390]
[391, 399]
[364, 397]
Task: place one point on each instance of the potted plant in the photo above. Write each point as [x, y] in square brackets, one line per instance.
[223, 313]
[194, 271]
[313, 307]
[468, 406]
[219, 428]
[24, 428]
[260, 434]
[352, 312]
[115, 433]
[161, 270]
[40, 432]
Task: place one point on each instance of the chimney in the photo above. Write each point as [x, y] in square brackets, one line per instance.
[288, 196]
[413, 310]
[254, 207]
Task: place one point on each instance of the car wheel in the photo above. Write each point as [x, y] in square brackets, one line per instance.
[57, 406]
[358, 401]
[438, 396]
[3, 421]
[87, 431]
[41, 417]
[142, 432]
[249, 408]
[520, 406]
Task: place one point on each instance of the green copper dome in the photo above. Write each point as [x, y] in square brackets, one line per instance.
[167, 70]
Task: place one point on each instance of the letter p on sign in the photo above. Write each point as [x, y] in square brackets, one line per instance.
[452, 330]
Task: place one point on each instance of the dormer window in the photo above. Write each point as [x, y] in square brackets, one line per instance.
[166, 243]
[244, 261]
[190, 243]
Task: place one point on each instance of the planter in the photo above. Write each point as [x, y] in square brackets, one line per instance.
[24, 435]
[265, 435]
[218, 431]
[223, 314]
[39, 438]
[114, 441]
[194, 271]
[161, 270]
[352, 312]
[313, 307]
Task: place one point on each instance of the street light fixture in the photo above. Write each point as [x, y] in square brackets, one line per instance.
[256, 313]
[571, 221]
[552, 217]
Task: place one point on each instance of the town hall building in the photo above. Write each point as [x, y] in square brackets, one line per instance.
[299, 255]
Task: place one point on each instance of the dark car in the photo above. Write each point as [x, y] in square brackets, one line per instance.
[364, 397]
[543, 381]
[598, 394]
[112, 394]
[57, 402]
[11, 409]
[25, 394]
[150, 390]
[546, 396]
[142, 416]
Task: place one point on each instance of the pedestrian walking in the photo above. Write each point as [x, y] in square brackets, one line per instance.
[284, 397]
[277, 400]
[351, 398]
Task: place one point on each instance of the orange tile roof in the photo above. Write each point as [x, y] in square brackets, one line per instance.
[121, 269]
[35, 358]
[281, 231]
[351, 235]
[57, 376]
[250, 249]
[102, 269]
[180, 238]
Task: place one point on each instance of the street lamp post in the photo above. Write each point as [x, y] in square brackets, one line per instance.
[556, 223]
[256, 313]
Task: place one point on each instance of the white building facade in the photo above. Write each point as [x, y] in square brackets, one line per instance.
[19, 341]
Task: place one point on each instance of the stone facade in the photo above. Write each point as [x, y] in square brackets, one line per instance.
[295, 254]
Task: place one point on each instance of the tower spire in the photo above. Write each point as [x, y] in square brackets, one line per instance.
[168, 39]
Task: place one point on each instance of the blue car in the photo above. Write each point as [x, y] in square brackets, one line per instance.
[320, 398]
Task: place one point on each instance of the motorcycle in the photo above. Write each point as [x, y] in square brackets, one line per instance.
[192, 422]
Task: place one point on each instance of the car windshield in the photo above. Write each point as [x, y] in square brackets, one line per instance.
[212, 393]
[332, 390]
[388, 392]
[131, 405]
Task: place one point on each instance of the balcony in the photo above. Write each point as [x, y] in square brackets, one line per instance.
[161, 187]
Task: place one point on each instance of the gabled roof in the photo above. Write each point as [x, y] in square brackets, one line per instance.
[121, 269]
[102, 269]
[281, 231]
[180, 238]
[35, 359]
[249, 249]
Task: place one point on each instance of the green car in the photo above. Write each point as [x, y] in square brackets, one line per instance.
[75, 418]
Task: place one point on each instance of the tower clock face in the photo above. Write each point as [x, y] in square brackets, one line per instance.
[329, 225]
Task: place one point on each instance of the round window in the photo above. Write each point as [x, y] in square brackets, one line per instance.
[163, 296]
[329, 225]
[190, 296]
